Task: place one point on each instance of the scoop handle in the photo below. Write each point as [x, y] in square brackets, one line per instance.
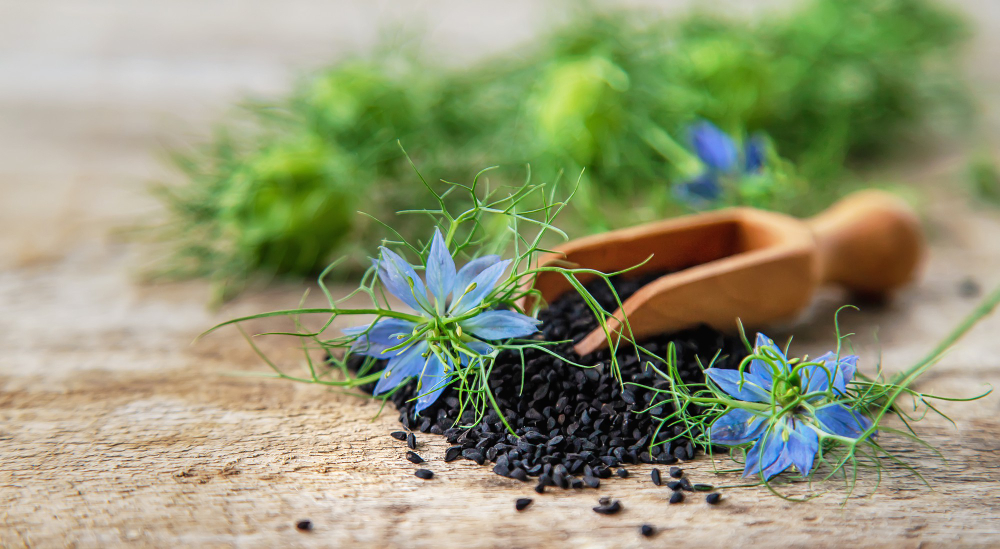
[870, 242]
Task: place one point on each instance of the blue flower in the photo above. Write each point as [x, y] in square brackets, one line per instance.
[454, 327]
[720, 157]
[802, 405]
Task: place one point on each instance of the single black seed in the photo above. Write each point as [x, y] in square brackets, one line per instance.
[519, 474]
[304, 525]
[623, 473]
[412, 457]
[604, 500]
[656, 476]
[540, 488]
[676, 497]
[522, 503]
[686, 485]
[647, 530]
[609, 509]
[453, 453]
[676, 472]
[703, 487]
[712, 499]
[593, 482]
[674, 485]
[411, 441]
[398, 435]
[425, 474]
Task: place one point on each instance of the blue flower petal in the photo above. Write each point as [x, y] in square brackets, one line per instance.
[466, 299]
[758, 366]
[433, 380]
[469, 271]
[802, 446]
[754, 387]
[700, 190]
[735, 427]
[379, 337]
[716, 149]
[478, 346]
[440, 270]
[753, 154]
[500, 325]
[837, 419]
[407, 364]
[765, 453]
[397, 276]
[833, 373]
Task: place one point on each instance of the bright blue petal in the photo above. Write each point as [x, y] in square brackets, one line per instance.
[478, 346]
[802, 446]
[735, 427]
[716, 149]
[433, 380]
[407, 364]
[833, 373]
[837, 419]
[847, 368]
[762, 368]
[500, 325]
[379, 337]
[753, 155]
[700, 190]
[764, 453]
[751, 387]
[469, 271]
[440, 270]
[467, 299]
[402, 281]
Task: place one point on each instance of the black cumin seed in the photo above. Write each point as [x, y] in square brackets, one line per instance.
[519, 474]
[398, 435]
[712, 499]
[453, 453]
[609, 509]
[674, 485]
[655, 474]
[412, 457]
[676, 472]
[677, 497]
[623, 473]
[522, 503]
[425, 474]
[604, 500]
[647, 530]
[304, 525]
[686, 485]
[411, 441]
[540, 488]
[593, 482]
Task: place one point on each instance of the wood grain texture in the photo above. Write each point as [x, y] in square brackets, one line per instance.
[116, 431]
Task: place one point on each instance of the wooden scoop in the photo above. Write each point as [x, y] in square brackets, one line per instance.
[743, 263]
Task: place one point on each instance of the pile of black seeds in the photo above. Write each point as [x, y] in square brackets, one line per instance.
[574, 424]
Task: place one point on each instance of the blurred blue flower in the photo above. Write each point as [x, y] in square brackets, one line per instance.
[451, 303]
[720, 157]
[802, 405]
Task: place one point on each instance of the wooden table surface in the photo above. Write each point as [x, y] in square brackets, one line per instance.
[116, 430]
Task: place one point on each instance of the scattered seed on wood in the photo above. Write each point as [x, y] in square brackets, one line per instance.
[522, 503]
[674, 485]
[425, 474]
[713, 499]
[304, 525]
[686, 485]
[453, 453]
[676, 472]
[412, 457]
[398, 435]
[655, 474]
[540, 488]
[609, 509]
[647, 530]
[604, 500]
[676, 497]
[411, 441]
[623, 473]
